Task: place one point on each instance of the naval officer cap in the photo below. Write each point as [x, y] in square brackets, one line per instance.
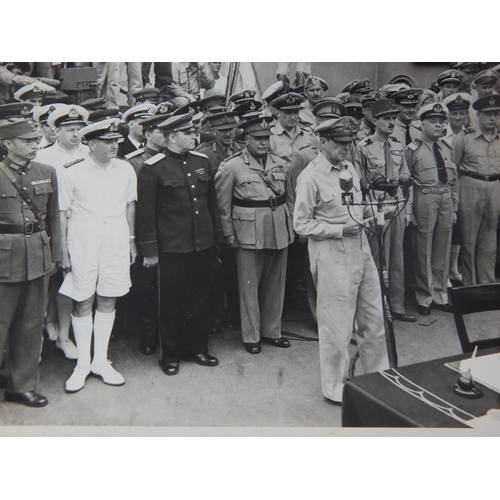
[338, 129]
[15, 110]
[450, 76]
[389, 89]
[245, 108]
[223, 121]
[105, 130]
[34, 89]
[242, 95]
[354, 109]
[384, 107]
[433, 110]
[139, 111]
[488, 103]
[329, 107]
[21, 128]
[274, 91]
[288, 101]
[177, 123]
[164, 107]
[41, 114]
[67, 114]
[484, 77]
[258, 127]
[407, 96]
[94, 104]
[371, 98]
[213, 101]
[358, 87]
[458, 101]
[103, 114]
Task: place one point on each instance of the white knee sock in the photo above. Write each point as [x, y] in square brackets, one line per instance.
[103, 324]
[82, 328]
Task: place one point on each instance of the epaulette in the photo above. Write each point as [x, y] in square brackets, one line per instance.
[365, 142]
[134, 153]
[394, 139]
[206, 144]
[446, 142]
[74, 162]
[417, 125]
[238, 153]
[306, 146]
[415, 144]
[196, 153]
[468, 130]
[154, 159]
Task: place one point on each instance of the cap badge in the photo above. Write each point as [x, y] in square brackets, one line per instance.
[491, 102]
[459, 100]
[225, 119]
[52, 108]
[411, 95]
[24, 111]
[264, 124]
[247, 94]
[73, 113]
[437, 108]
[163, 109]
[252, 107]
[290, 99]
[113, 127]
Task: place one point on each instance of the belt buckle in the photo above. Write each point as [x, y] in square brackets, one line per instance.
[274, 203]
[28, 227]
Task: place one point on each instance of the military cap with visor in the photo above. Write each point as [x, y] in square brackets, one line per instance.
[258, 127]
[177, 123]
[105, 130]
[450, 76]
[223, 121]
[16, 110]
[67, 115]
[384, 107]
[20, 128]
[433, 110]
[289, 101]
[488, 103]
[485, 77]
[458, 101]
[338, 129]
[329, 106]
[407, 96]
[139, 111]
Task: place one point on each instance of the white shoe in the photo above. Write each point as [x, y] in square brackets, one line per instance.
[68, 348]
[52, 330]
[108, 374]
[77, 379]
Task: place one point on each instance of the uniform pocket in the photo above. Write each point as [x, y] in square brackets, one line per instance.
[244, 227]
[5, 253]
[173, 183]
[250, 185]
[45, 188]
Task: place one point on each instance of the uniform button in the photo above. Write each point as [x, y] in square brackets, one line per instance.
[24, 203]
[189, 175]
[195, 199]
[27, 236]
[24, 189]
[193, 186]
[184, 164]
[26, 218]
[3, 195]
[197, 212]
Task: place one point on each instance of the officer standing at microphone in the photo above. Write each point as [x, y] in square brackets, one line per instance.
[342, 266]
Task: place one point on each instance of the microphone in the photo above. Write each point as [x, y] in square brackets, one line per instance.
[345, 180]
[365, 187]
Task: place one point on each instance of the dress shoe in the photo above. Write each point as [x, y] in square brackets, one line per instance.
[424, 310]
[77, 380]
[252, 348]
[281, 342]
[408, 318]
[68, 348]
[3, 381]
[30, 398]
[169, 367]
[147, 346]
[442, 307]
[108, 374]
[203, 359]
[52, 331]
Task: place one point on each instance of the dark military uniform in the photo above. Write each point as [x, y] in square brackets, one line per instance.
[217, 154]
[139, 156]
[29, 248]
[177, 221]
[126, 147]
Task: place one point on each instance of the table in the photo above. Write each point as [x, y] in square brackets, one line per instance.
[419, 395]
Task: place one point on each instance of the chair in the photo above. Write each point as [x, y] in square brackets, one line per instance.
[474, 299]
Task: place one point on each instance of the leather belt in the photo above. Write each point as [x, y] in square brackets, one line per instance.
[434, 190]
[487, 178]
[271, 202]
[26, 228]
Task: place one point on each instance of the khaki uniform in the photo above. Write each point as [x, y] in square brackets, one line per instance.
[371, 159]
[26, 259]
[434, 204]
[287, 146]
[401, 129]
[263, 236]
[479, 203]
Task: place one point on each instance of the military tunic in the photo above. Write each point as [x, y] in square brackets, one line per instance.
[369, 160]
[400, 129]
[177, 221]
[478, 163]
[263, 235]
[434, 204]
[139, 156]
[26, 258]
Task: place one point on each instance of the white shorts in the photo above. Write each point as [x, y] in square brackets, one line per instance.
[100, 259]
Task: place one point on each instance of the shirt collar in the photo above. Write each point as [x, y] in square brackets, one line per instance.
[16, 166]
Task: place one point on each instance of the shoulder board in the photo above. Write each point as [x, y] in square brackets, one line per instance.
[306, 146]
[394, 139]
[204, 145]
[196, 153]
[155, 159]
[232, 156]
[444, 141]
[365, 142]
[417, 125]
[468, 130]
[74, 162]
[415, 144]
[134, 153]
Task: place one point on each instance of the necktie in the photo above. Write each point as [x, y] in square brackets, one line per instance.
[407, 135]
[442, 176]
[389, 168]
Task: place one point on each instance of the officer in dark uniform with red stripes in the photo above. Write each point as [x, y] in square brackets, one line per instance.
[29, 248]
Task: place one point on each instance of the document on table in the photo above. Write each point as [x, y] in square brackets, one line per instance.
[484, 369]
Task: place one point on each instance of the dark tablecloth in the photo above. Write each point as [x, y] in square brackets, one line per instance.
[373, 401]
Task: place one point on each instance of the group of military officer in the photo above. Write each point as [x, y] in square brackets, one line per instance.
[187, 205]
